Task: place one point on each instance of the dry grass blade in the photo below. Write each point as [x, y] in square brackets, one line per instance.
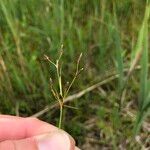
[76, 96]
[134, 63]
[70, 98]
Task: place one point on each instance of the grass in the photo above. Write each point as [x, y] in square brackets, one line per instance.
[142, 47]
[61, 95]
[113, 37]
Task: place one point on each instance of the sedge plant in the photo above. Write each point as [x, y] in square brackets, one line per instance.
[62, 93]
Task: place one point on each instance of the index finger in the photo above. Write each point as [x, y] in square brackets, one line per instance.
[14, 128]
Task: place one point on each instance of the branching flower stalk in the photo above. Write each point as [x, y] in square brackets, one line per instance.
[78, 71]
[63, 92]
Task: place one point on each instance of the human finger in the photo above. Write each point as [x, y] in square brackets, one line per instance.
[58, 140]
[19, 128]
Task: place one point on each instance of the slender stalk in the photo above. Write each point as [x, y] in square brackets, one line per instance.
[70, 86]
[59, 78]
[60, 116]
[62, 21]
[75, 76]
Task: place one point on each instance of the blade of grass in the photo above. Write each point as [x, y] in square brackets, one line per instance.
[119, 56]
[62, 22]
[6, 6]
[143, 36]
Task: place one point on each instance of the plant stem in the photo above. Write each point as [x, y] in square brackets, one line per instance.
[60, 116]
[59, 77]
[62, 21]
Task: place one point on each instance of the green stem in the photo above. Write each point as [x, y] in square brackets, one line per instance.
[62, 22]
[60, 117]
[59, 77]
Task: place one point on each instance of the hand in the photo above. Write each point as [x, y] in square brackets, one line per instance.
[18, 133]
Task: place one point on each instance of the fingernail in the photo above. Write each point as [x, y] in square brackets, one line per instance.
[55, 141]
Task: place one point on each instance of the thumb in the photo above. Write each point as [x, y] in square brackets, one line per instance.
[58, 140]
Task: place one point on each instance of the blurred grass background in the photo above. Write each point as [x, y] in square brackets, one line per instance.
[110, 34]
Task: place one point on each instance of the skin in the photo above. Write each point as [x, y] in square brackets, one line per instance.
[17, 133]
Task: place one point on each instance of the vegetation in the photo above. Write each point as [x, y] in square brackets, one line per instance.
[108, 105]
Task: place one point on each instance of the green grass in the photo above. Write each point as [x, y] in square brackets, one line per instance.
[142, 46]
[112, 35]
